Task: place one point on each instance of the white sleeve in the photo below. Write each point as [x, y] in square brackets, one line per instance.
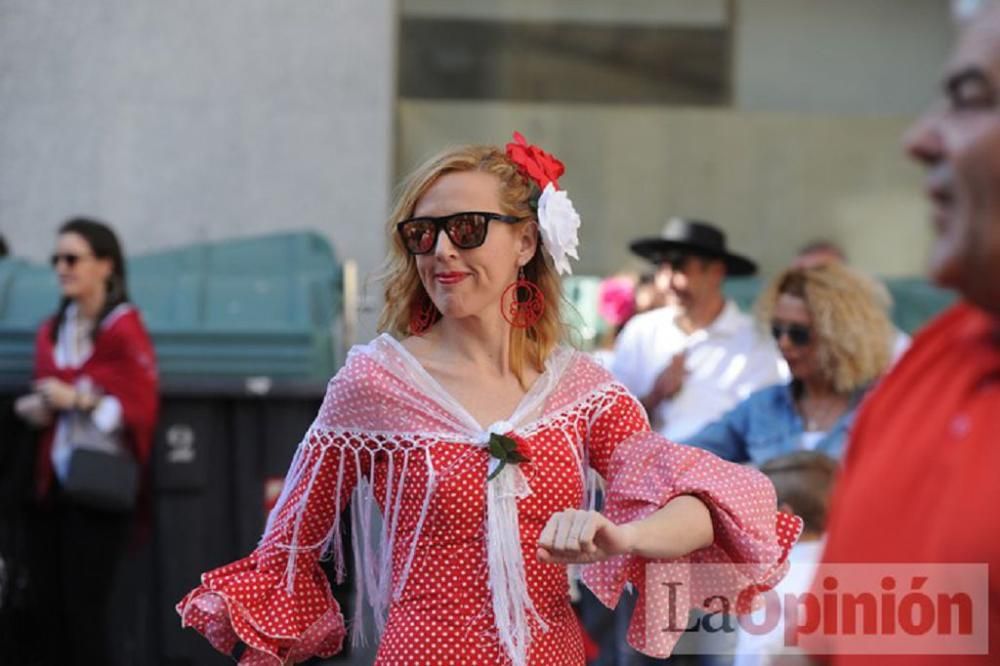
[107, 415]
[766, 367]
[624, 365]
[900, 343]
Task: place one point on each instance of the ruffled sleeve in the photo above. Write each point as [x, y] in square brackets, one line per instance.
[277, 601]
[643, 471]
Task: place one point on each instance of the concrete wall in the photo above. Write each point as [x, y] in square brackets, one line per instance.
[851, 57]
[822, 92]
[854, 57]
[773, 181]
[195, 120]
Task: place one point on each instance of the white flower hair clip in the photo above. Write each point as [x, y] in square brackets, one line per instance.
[557, 218]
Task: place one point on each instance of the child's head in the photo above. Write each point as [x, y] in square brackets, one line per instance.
[803, 482]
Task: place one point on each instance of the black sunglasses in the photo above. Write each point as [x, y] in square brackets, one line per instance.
[70, 259]
[673, 259]
[799, 335]
[465, 230]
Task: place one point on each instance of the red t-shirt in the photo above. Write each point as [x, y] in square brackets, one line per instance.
[921, 477]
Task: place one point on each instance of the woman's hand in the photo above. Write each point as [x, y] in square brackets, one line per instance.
[57, 394]
[581, 537]
[32, 409]
[680, 527]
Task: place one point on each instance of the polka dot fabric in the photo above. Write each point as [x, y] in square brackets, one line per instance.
[751, 545]
[377, 438]
[248, 600]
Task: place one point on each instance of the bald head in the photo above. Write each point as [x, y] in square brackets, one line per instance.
[979, 33]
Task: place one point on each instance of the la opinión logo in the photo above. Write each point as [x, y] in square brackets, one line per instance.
[871, 608]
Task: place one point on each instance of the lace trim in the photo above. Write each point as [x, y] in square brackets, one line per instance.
[373, 551]
[391, 355]
[600, 399]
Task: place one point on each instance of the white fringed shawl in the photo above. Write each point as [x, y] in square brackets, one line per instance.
[384, 402]
[384, 405]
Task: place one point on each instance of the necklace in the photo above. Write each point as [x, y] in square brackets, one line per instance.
[815, 417]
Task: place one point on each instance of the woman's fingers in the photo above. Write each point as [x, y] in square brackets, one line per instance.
[547, 538]
[568, 537]
[589, 532]
[575, 522]
[559, 557]
[562, 532]
[580, 521]
[564, 528]
[556, 530]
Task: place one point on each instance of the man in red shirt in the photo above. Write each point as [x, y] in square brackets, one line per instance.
[921, 478]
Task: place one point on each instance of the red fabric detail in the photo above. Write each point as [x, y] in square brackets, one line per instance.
[123, 364]
[247, 600]
[534, 162]
[523, 445]
[235, 604]
[752, 539]
[919, 483]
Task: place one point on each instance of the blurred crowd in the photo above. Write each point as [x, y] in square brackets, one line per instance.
[777, 388]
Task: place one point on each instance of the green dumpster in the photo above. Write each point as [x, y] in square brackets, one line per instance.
[247, 333]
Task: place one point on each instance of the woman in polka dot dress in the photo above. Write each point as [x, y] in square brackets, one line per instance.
[477, 435]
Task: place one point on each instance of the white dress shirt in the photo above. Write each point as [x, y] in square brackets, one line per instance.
[726, 362]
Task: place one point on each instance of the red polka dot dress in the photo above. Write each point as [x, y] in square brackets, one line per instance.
[451, 570]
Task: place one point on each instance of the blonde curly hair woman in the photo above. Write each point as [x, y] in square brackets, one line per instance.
[831, 326]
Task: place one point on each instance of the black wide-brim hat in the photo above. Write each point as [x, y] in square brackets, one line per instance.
[684, 236]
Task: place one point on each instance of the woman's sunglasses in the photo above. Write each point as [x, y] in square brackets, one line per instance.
[799, 335]
[69, 259]
[465, 230]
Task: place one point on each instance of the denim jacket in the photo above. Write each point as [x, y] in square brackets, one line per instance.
[767, 425]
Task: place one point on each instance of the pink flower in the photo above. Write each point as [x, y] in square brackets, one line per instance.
[616, 300]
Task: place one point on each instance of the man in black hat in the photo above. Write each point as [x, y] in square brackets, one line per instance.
[692, 361]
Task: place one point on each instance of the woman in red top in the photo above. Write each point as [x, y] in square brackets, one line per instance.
[95, 388]
[475, 431]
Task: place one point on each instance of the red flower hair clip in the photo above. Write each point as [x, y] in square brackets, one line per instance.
[534, 162]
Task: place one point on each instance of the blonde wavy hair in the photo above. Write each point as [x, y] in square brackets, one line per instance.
[849, 319]
[404, 293]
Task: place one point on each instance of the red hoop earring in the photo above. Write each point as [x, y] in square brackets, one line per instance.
[522, 303]
[422, 316]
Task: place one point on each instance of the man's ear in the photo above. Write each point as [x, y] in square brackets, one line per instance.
[718, 268]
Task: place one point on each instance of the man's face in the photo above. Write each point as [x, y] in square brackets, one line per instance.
[694, 280]
[958, 142]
